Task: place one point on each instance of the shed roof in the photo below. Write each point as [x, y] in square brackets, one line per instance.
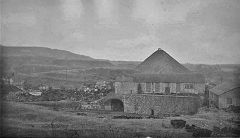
[225, 87]
[175, 78]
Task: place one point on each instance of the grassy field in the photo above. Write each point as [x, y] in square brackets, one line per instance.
[31, 120]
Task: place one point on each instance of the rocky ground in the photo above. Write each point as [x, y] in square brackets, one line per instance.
[29, 120]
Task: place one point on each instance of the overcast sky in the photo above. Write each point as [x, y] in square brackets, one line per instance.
[192, 31]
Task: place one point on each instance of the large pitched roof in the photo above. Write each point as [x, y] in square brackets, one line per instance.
[161, 62]
[225, 87]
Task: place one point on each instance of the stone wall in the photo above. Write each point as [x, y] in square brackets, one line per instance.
[160, 104]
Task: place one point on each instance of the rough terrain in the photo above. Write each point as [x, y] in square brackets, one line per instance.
[21, 120]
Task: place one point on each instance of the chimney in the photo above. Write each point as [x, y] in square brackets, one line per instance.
[159, 49]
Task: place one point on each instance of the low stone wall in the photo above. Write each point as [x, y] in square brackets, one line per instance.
[160, 104]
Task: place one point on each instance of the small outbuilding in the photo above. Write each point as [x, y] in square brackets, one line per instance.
[225, 94]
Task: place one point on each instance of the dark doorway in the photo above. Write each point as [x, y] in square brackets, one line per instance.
[117, 105]
[152, 112]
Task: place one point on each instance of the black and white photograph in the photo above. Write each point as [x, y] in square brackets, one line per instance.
[119, 68]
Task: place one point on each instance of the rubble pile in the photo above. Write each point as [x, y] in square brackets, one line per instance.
[178, 123]
[53, 95]
[90, 92]
[198, 131]
[216, 132]
[232, 108]
[20, 97]
[190, 128]
[206, 109]
[225, 132]
[9, 88]
[201, 132]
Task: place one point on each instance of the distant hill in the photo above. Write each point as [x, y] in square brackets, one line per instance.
[126, 64]
[217, 73]
[204, 68]
[39, 59]
[161, 62]
[41, 51]
[58, 68]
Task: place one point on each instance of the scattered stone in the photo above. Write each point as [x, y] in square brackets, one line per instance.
[232, 108]
[190, 128]
[154, 117]
[127, 117]
[201, 132]
[82, 114]
[226, 131]
[178, 123]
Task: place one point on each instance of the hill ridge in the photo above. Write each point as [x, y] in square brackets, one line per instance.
[41, 51]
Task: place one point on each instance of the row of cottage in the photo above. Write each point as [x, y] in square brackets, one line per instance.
[160, 84]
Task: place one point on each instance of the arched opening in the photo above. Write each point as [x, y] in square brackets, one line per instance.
[117, 105]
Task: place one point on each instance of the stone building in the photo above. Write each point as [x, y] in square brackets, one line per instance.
[162, 86]
[225, 95]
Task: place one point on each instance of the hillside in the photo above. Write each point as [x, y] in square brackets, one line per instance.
[39, 65]
[41, 51]
[58, 68]
[126, 64]
[39, 59]
[50, 66]
[217, 73]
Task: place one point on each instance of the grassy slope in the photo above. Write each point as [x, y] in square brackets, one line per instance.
[38, 121]
[41, 51]
[22, 119]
